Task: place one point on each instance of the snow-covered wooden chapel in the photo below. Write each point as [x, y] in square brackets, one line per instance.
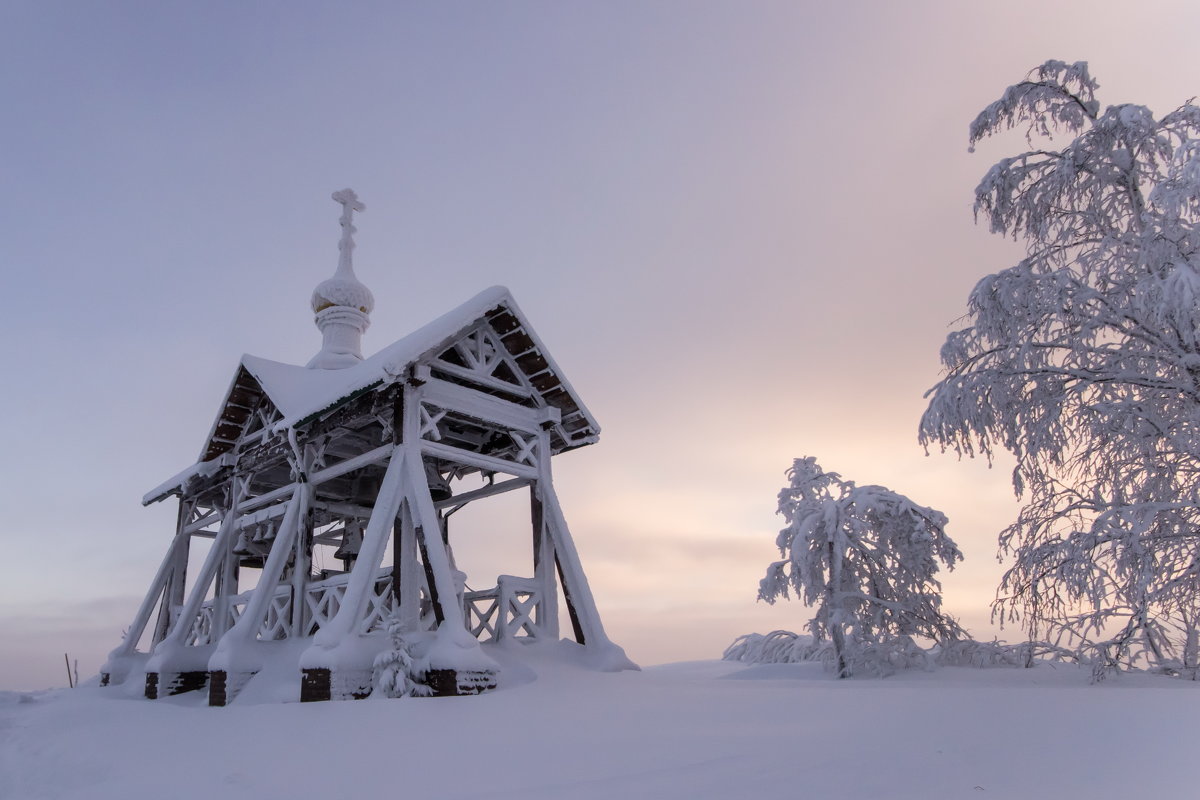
[362, 457]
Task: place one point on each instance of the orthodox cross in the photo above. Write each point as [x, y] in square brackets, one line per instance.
[350, 204]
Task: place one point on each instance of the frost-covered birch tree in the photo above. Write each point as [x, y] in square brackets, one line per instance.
[1083, 361]
[865, 557]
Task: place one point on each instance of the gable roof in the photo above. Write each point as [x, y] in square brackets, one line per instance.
[301, 394]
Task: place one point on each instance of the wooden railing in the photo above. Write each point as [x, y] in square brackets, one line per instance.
[505, 612]
[324, 599]
[275, 626]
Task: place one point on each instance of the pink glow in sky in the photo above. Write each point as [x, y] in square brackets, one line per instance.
[743, 229]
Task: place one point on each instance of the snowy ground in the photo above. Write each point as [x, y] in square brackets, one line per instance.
[693, 730]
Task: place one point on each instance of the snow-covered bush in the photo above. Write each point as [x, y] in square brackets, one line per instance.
[887, 656]
[396, 672]
[893, 654]
[970, 653]
[1083, 361]
[865, 557]
[776, 647]
[883, 657]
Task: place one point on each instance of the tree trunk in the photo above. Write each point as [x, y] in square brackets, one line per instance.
[832, 596]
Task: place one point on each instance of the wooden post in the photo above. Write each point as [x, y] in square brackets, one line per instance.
[425, 517]
[226, 536]
[585, 619]
[544, 557]
[226, 587]
[156, 593]
[366, 566]
[176, 588]
[172, 593]
[247, 626]
[163, 675]
[408, 599]
[301, 573]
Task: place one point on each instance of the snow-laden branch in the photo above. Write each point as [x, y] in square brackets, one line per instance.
[1083, 362]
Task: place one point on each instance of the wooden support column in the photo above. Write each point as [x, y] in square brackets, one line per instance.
[226, 536]
[116, 667]
[176, 587]
[407, 574]
[427, 528]
[543, 555]
[169, 668]
[301, 573]
[172, 593]
[226, 587]
[366, 566]
[233, 662]
[246, 628]
[585, 619]
[330, 671]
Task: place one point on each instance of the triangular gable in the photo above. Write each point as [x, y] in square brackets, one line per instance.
[527, 364]
[246, 408]
[265, 392]
[314, 395]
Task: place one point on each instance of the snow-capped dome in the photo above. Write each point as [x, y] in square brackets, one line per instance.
[342, 303]
[343, 289]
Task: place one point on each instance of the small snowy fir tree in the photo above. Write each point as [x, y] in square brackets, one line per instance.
[865, 557]
[1083, 361]
[396, 673]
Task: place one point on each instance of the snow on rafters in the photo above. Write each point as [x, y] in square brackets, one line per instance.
[486, 342]
[242, 410]
[303, 397]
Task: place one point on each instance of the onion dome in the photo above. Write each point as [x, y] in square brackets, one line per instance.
[341, 303]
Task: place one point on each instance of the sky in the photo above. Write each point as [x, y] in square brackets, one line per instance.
[742, 229]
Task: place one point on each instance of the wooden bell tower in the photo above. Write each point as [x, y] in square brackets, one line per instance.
[354, 457]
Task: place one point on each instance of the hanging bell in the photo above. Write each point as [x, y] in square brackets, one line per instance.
[243, 546]
[439, 487]
[249, 549]
[352, 537]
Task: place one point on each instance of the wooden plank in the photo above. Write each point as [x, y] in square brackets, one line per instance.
[532, 363]
[502, 320]
[463, 498]
[477, 377]
[518, 343]
[545, 381]
[478, 460]
[358, 462]
[544, 559]
[478, 405]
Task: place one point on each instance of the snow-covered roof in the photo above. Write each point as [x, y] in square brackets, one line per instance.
[301, 393]
[198, 470]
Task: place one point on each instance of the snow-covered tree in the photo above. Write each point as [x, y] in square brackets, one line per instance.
[396, 673]
[865, 557]
[1083, 361]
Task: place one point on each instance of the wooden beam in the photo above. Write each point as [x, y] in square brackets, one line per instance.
[344, 509]
[463, 498]
[478, 460]
[349, 465]
[202, 523]
[477, 377]
[327, 474]
[473, 403]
